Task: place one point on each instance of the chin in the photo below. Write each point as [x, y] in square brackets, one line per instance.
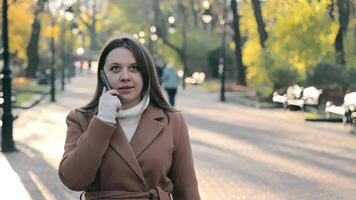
[129, 100]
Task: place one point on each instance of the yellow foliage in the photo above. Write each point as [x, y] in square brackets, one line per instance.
[300, 33]
[49, 31]
[252, 51]
[232, 45]
[20, 20]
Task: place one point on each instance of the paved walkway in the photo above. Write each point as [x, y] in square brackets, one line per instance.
[256, 154]
[240, 152]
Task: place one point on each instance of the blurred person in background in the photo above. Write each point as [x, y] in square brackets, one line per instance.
[127, 142]
[170, 82]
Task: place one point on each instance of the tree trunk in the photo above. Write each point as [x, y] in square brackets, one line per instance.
[163, 34]
[195, 13]
[92, 30]
[64, 57]
[339, 47]
[32, 48]
[90, 24]
[260, 23]
[183, 55]
[241, 72]
[344, 13]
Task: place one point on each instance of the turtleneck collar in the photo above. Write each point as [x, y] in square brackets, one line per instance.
[136, 110]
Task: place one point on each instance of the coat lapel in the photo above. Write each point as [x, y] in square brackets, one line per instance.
[152, 122]
[121, 145]
[148, 129]
[118, 142]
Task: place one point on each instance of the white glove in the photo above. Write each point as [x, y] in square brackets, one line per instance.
[108, 107]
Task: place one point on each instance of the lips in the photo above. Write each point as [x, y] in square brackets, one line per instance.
[125, 87]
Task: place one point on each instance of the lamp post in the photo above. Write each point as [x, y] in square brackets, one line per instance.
[75, 30]
[80, 51]
[7, 142]
[172, 26]
[140, 37]
[153, 38]
[53, 10]
[207, 17]
[63, 68]
[53, 69]
[68, 14]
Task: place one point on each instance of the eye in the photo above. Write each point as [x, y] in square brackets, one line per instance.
[134, 68]
[115, 68]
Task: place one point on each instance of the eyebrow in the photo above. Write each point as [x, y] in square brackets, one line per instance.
[115, 63]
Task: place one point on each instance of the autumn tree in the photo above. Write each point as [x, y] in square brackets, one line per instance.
[241, 71]
[343, 7]
[32, 47]
[91, 13]
[162, 32]
[256, 4]
[300, 35]
[20, 19]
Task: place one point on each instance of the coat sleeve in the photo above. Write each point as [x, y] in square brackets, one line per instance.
[185, 184]
[83, 151]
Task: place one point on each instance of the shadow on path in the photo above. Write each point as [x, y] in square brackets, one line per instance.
[274, 143]
[39, 178]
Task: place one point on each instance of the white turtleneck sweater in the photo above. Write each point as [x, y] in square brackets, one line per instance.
[129, 119]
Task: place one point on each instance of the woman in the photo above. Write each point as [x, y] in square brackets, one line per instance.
[128, 143]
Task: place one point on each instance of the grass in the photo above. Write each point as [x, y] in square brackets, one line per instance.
[211, 85]
[314, 115]
[23, 97]
[317, 114]
[23, 84]
[214, 85]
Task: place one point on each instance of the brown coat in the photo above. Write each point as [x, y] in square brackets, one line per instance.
[99, 159]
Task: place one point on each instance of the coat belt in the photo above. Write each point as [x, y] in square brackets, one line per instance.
[153, 194]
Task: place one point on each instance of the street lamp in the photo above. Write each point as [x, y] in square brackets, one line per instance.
[69, 16]
[152, 38]
[75, 30]
[141, 37]
[66, 10]
[69, 13]
[172, 26]
[53, 10]
[207, 17]
[7, 142]
[53, 70]
[80, 51]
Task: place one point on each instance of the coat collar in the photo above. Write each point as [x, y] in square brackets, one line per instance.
[153, 120]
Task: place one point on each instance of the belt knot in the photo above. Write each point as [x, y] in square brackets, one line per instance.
[154, 193]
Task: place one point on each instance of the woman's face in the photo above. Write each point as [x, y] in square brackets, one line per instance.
[122, 72]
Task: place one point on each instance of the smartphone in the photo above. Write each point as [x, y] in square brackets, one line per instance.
[105, 81]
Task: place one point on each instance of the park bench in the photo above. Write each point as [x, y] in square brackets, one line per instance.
[347, 109]
[298, 98]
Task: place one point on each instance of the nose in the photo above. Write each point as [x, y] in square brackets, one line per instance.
[125, 76]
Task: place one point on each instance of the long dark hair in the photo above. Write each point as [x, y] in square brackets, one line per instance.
[146, 67]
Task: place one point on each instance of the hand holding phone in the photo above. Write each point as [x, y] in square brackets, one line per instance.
[105, 81]
[108, 105]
